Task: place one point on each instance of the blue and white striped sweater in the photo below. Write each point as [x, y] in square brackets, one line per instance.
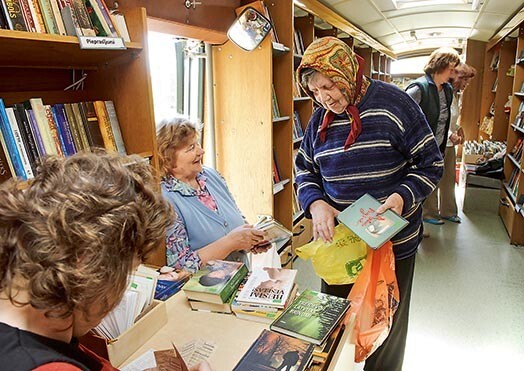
[396, 152]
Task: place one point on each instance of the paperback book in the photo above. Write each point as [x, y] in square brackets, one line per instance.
[275, 232]
[268, 286]
[272, 351]
[311, 317]
[216, 281]
[373, 228]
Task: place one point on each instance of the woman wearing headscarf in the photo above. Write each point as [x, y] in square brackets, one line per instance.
[366, 136]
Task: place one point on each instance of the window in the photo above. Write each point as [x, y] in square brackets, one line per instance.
[177, 76]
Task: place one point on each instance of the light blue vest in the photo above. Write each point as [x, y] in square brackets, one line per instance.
[203, 225]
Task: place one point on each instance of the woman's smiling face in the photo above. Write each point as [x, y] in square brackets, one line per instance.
[327, 93]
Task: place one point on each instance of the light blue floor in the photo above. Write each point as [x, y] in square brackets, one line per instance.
[467, 307]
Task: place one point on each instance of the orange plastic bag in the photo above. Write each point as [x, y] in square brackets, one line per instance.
[374, 300]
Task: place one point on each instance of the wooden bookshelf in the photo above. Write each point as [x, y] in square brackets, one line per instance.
[509, 211]
[37, 65]
[496, 87]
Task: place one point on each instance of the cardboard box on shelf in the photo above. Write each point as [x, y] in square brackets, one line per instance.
[119, 349]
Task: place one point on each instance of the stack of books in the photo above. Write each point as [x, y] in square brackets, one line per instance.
[213, 287]
[264, 294]
[306, 334]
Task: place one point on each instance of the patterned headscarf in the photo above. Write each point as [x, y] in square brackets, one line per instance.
[334, 59]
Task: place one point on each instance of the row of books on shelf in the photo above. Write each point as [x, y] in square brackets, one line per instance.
[31, 130]
[298, 42]
[516, 151]
[63, 17]
[520, 57]
[495, 60]
[513, 182]
[519, 117]
[302, 325]
[298, 131]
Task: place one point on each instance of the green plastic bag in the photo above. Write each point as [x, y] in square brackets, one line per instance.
[338, 262]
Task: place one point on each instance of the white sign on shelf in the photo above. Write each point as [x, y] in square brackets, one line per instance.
[101, 42]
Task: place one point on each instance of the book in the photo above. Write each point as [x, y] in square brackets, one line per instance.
[6, 168]
[64, 130]
[28, 171]
[268, 286]
[53, 130]
[14, 14]
[212, 307]
[272, 351]
[216, 281]
[105, 125]
[374, 229]
[165, 289]
[50, 23]
[120, 24]
[257, 316]
[311, 317]
[82, 17]
[115, 126]
[27, 135]
[99, 25]
[39, 113]
[91, 126]
[28, 17]
[10, 143]
[237, 305]
[37, 16]
[81, 123]
[275, 232]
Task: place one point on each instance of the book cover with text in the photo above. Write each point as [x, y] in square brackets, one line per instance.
[311, 317]
[268, 286]
[375, 229]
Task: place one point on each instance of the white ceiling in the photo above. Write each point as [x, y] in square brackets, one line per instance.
[435, 23]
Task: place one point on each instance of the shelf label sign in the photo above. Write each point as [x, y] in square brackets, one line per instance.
[101, 42]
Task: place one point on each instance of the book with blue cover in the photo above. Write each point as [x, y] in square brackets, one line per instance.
[373, 228]
[10, 142]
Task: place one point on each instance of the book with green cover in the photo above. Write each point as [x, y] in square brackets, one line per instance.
[374, 229]
[311, 317]
[272, 351]
[216, 281]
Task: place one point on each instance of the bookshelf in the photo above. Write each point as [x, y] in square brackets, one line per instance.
[509, 210]
[42, 65]
[497, 85]
[248, 135]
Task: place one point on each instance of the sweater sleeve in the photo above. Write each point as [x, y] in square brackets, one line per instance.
[308, 178]
[425, 164]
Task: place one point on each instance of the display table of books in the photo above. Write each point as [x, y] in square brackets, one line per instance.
[223, 337]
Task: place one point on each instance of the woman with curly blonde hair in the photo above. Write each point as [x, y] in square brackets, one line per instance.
[67, 245]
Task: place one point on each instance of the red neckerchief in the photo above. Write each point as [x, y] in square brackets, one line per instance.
[352, 112]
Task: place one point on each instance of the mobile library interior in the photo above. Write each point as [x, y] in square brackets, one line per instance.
[177, 59]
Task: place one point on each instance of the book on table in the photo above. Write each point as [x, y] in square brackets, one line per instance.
[267, 286]
[272, 351]
[216, 281]
[373, 228]
[311, 317]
